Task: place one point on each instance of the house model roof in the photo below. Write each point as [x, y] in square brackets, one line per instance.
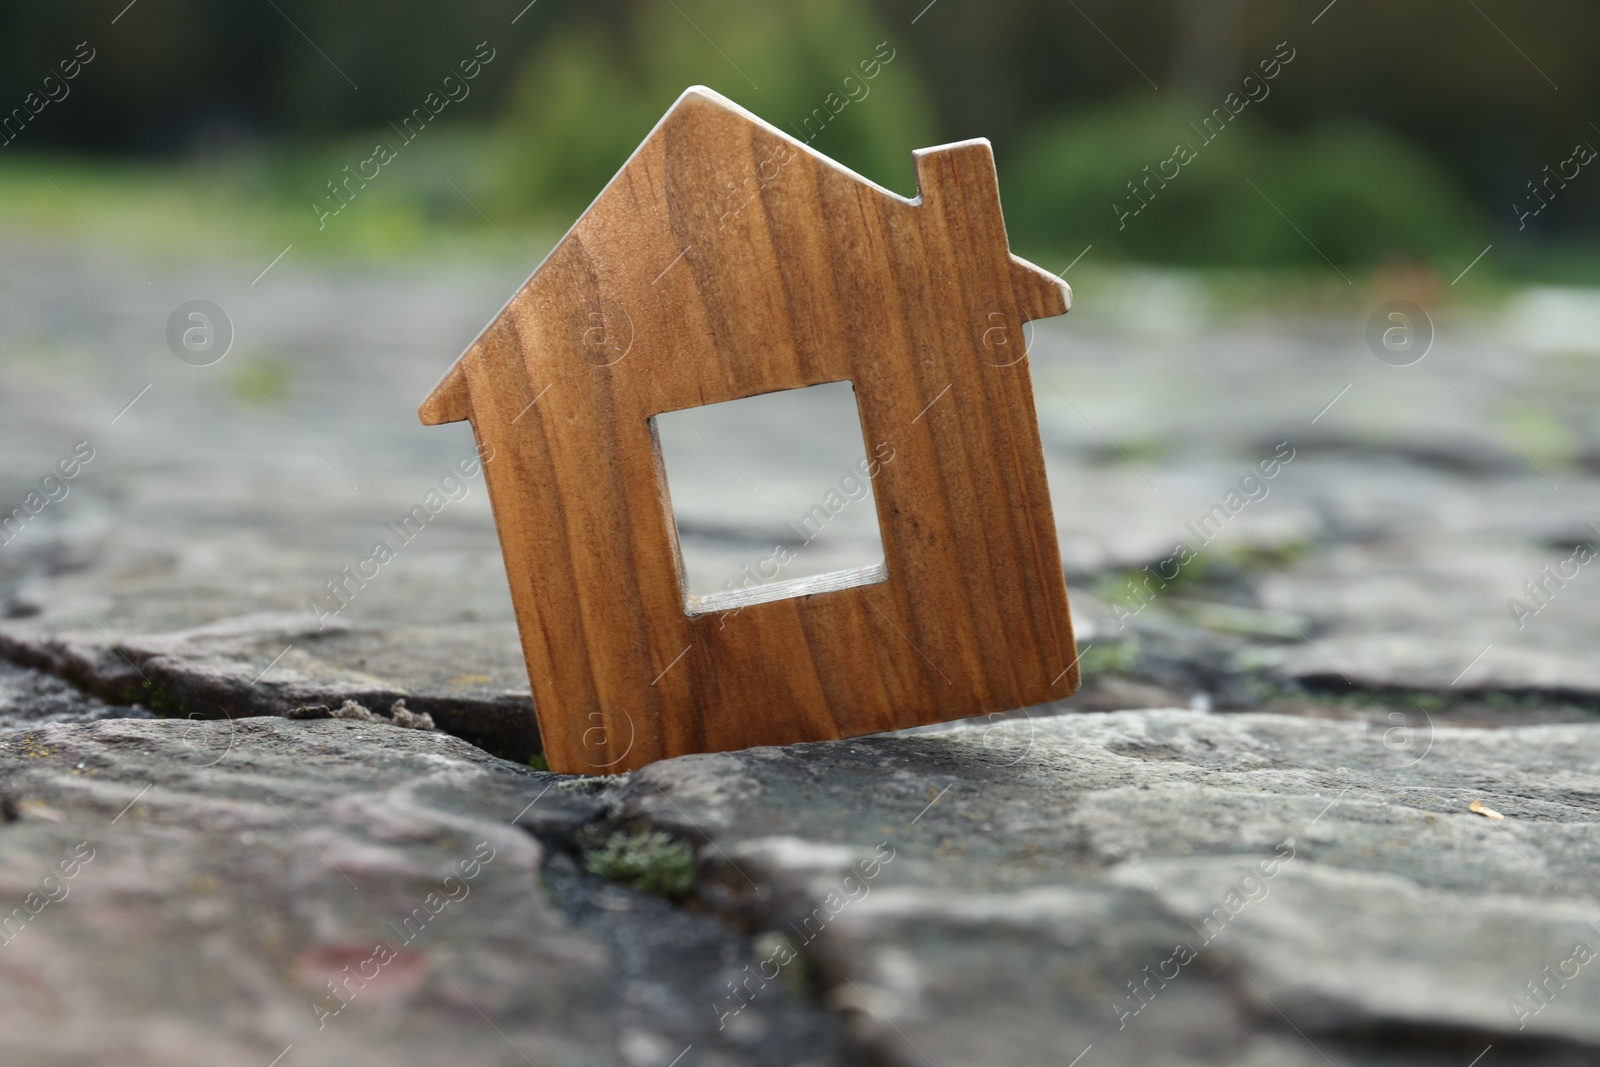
[727, 259]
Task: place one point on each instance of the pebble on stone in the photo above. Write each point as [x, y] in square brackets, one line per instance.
[309, 711]
[399, 714]
[1482, 809]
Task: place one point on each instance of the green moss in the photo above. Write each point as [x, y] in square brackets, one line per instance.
[259, 380]
[538, 762]
[1266, 557]
[1538, 433]
[1134, 586]
[156, 698]
[653, 861]
[1119, 656]
[1139, 450]
[780, 951]
[1231, 618]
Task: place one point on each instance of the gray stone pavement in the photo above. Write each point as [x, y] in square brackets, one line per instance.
[337, 893]
[1166, 887]
[1359, 596]
[1413, 510]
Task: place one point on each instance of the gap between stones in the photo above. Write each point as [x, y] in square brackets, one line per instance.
[595, 842]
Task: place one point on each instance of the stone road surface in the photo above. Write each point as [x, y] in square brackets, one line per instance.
[1323, 694]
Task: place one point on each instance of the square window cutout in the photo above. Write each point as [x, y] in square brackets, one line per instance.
[772, 496]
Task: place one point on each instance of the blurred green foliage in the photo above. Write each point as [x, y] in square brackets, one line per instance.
[1404, 129]
[591, 92]
[1355, 192]
[1119, 656]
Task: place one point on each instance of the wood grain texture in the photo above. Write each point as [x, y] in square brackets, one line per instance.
[727, 260]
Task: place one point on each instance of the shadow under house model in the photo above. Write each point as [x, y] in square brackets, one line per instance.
[725, 260]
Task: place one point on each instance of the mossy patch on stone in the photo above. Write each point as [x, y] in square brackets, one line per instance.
[650, 860]
[157, 699]
[1119, 656]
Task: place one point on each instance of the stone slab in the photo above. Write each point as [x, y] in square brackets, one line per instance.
[184, 893]
[1341, 900]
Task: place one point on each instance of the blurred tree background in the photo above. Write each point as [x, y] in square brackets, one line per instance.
[1402, 131]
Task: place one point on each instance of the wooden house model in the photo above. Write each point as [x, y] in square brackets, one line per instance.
[728, 259]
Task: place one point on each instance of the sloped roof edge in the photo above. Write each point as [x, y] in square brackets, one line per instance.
[448, 401]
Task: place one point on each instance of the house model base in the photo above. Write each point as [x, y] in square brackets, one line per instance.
[725, 260]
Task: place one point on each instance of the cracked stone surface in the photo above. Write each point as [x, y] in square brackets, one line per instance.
[31, 698]
[1041, 860]
[1416, 505]
[1281, 890]
[269, 663]
[1306, 892]
[219, 875]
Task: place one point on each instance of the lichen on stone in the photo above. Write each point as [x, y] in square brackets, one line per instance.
[399, 714]
[351, 710]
